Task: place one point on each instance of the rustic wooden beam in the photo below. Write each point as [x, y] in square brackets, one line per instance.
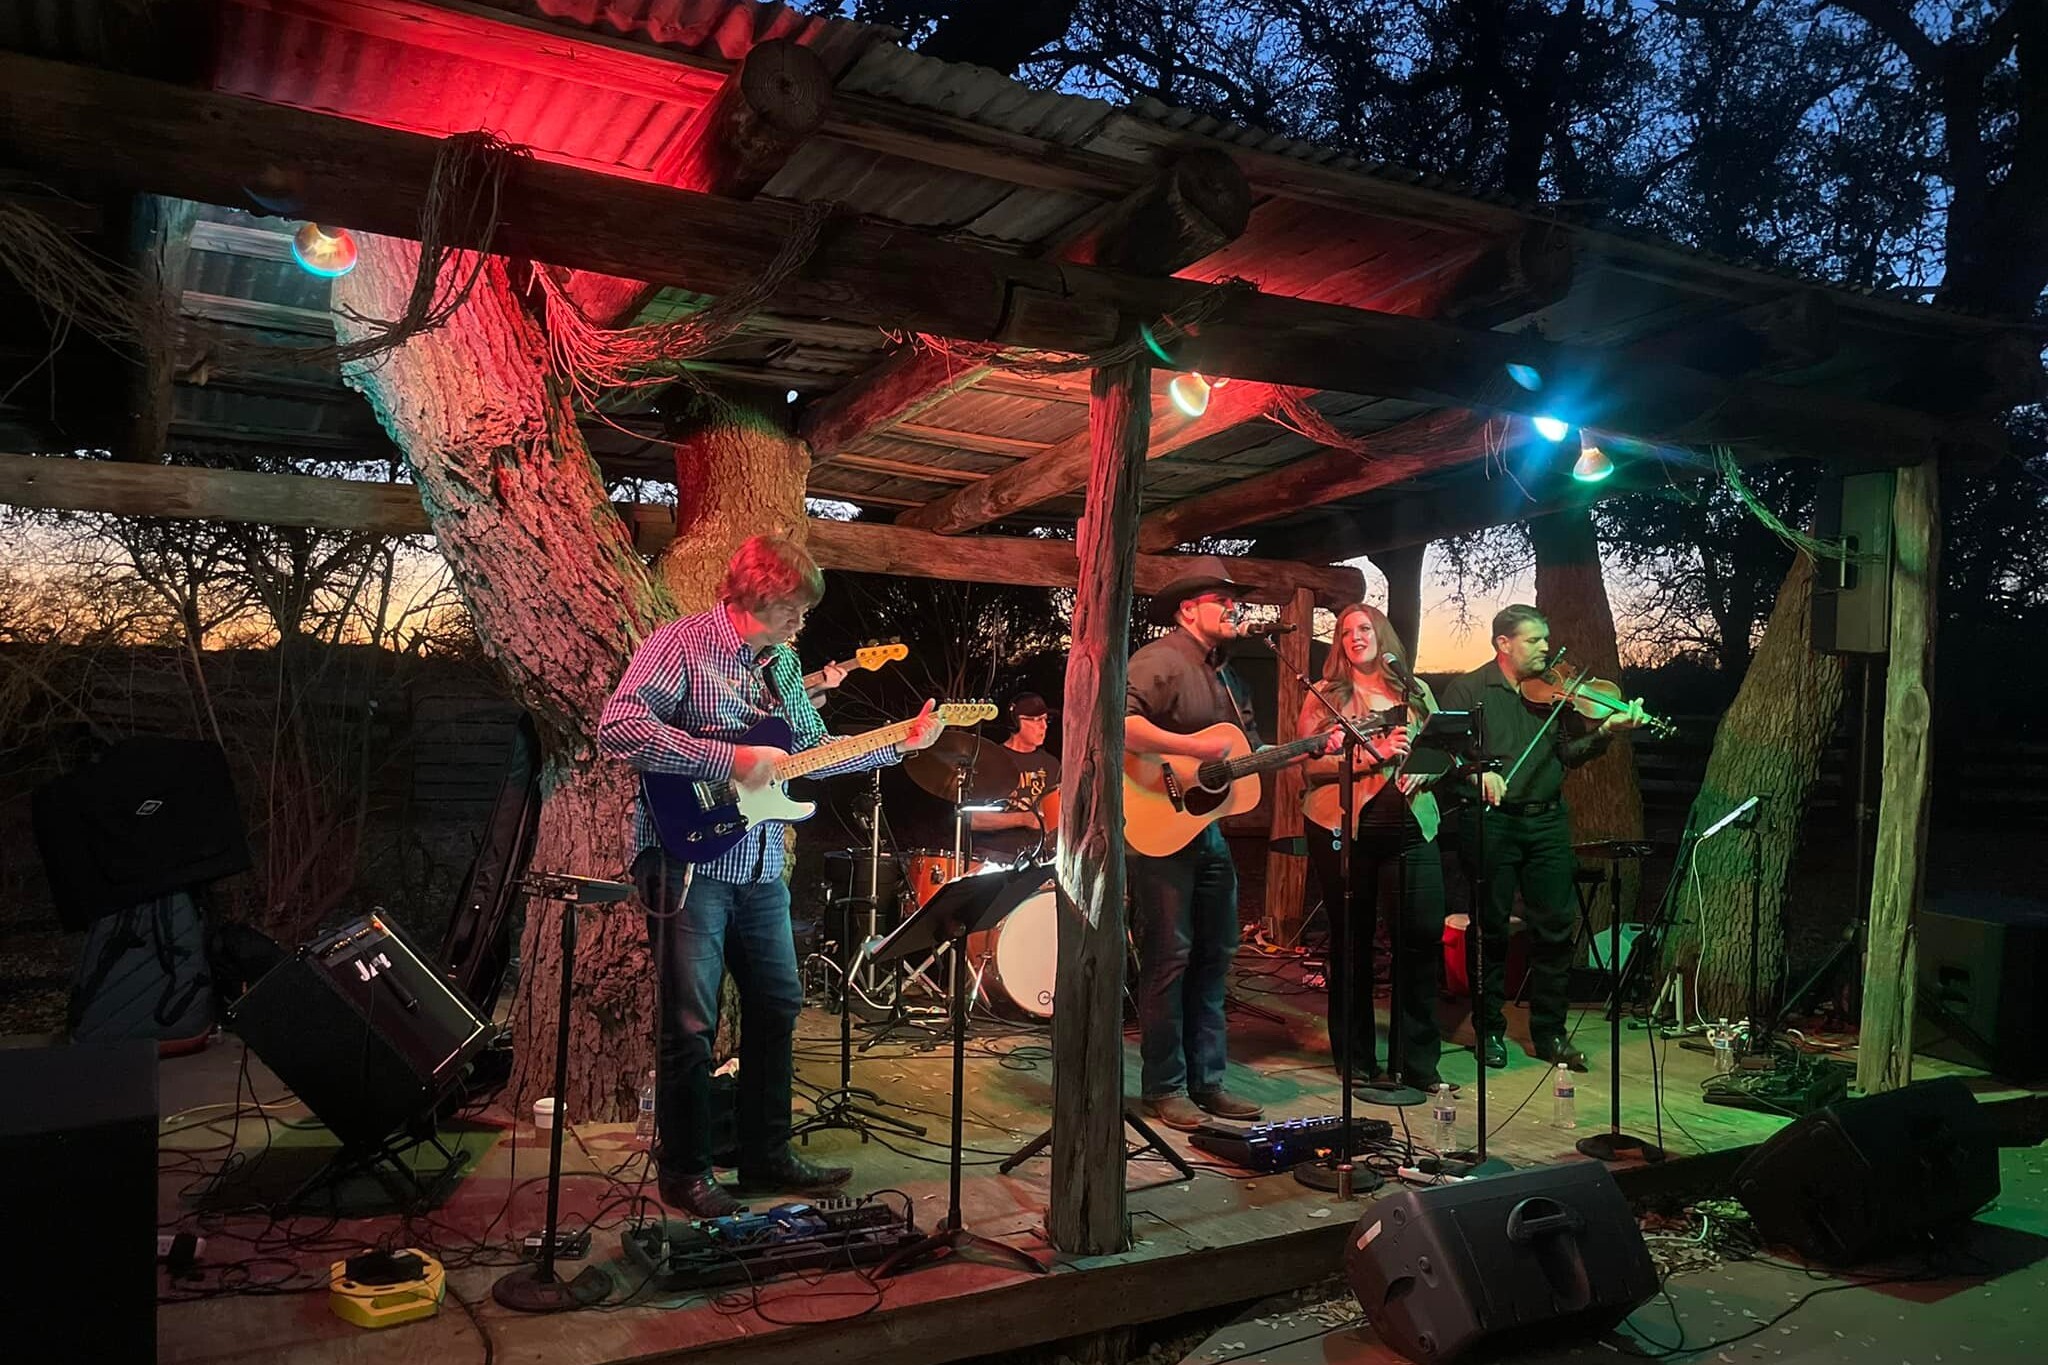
[160, 239]
[209, 147]
[767, 107]
[1086, 1216]
[1286, 868]
[1431, 441]
[183, 491]
[897, 388]
[1884, 1059]
[1064, 467]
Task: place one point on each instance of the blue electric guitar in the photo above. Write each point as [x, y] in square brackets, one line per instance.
[697, 818]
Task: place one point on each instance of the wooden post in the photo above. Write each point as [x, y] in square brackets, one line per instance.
[1885, 1058]
[1087, 1213]
[1287, 872]
[1403, 568]
[161, 240]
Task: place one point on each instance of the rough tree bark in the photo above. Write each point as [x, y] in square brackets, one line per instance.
[559, 599]
[1769, 745]
[1603, 795]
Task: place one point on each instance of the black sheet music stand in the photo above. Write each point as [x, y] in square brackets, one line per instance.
[966, 905]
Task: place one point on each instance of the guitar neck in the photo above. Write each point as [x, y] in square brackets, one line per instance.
[841, 750]
[814, 681]
[1278, 756]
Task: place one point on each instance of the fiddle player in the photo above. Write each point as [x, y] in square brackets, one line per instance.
[1527, 842]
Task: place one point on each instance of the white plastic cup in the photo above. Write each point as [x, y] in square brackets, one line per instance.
[544, 1113]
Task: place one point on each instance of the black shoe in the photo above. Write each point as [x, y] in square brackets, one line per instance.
[787, 1173]
[1494, 1051]
[700, 1196]
[1425, 1081]
[1560, 1052]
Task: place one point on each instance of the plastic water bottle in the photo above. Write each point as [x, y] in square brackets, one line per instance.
[1723, 1039]
[1443, 1119]
[1564, 1093]
[643, 1130]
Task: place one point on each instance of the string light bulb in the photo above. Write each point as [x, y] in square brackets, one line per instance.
[1190, 392]
[1592, 465]
[324, 251]
[1550, 428]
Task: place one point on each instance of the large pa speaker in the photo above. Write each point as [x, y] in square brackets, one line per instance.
[153, 815]
[1981, 960]
[1857, 1178]
[1499, 1263]
[362, 1030]
[78, 1144]
[1852, 596]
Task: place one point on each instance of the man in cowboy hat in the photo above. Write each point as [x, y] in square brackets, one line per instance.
[1186, 918]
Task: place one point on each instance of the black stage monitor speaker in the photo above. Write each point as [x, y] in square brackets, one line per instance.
[152, 816]
[362, 1030]
[1858, 1178]
[1499, 1263]
[1980, 962]
[1852, 596]
[78, 1145]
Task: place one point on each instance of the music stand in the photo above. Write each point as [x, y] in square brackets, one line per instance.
[536, 1288]
[1615, 1144]
[964, 906]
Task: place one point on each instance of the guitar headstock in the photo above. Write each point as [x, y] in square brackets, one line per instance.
[966, 712]
[872, 657]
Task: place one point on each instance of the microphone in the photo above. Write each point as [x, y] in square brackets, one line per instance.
[1252, 630]
[1392, 663]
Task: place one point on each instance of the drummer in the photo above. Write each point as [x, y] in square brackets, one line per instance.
[1015, 832]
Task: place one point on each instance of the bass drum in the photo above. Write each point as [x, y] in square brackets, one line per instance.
[1018, 960]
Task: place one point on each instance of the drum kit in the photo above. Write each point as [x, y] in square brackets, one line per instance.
[1011, 964]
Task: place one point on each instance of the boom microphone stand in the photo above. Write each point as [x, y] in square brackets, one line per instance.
[842, 1108]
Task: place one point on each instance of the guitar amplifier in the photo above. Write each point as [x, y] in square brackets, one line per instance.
[362, 1030]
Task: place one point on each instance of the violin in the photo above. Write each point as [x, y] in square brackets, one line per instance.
[1594, 698]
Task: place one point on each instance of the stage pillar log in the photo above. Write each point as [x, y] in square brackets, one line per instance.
[1087, 1212]
[1286, 868]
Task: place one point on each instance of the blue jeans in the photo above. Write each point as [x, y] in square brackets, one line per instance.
[1187, 934]
[719, 927]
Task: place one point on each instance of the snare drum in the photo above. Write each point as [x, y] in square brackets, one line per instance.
[1019, 958]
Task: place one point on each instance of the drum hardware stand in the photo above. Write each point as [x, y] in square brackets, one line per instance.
[1614, 1144]
[965, 906]
[842, 1107]
[536, 1288]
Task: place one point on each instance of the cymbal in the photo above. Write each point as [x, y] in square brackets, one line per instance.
[990, 773]
[1623, 848]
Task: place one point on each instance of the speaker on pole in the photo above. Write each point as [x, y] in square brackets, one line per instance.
[1499, 1263]
[1852, 594]
[1858, 1178]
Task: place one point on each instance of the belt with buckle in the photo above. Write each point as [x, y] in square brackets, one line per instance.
[1527, 807]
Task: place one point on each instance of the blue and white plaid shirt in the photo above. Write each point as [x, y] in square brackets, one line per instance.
[692, 692]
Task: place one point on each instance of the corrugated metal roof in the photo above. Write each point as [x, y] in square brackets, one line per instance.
[727, 29]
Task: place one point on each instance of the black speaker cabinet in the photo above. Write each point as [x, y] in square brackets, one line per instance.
[78, 1144]
[152, 816]
[1981, 960]
[362, 1030]
[1852, 597]
[1500, 1263]
[1857, 1178]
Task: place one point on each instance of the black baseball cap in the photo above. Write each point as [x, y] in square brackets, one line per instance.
[1028, 704]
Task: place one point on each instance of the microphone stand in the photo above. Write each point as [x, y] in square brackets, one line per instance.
[1336, 1173]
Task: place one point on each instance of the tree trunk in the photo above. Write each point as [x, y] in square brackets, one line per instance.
[1885, 1059]
[1603, 796]
[1769, 745]
[559, 599]
[1087, 1212]
[1403, 568]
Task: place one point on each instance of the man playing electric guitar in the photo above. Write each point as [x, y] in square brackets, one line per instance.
[1186, 919]
[693, 689]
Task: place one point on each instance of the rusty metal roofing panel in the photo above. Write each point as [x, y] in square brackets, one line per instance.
[727, 29]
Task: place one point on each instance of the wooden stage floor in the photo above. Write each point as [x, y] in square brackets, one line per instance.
[1226, 1237]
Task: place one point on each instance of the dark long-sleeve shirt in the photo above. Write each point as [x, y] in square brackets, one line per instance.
[1179, 686]
[1510, 724]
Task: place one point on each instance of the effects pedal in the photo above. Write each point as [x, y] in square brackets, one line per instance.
[837, 1233]
[1285, 1145]
[569, 1246]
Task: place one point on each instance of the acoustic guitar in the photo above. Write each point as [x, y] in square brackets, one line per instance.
[867, 657]
[1170, 798]
[697, 819]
